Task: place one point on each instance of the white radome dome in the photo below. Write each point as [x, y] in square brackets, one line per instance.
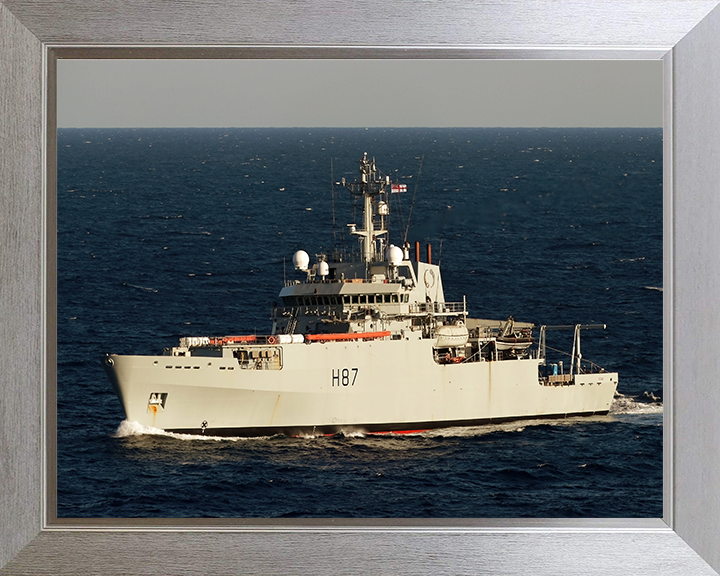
[323, 268]
[394, 255]
[301, 260]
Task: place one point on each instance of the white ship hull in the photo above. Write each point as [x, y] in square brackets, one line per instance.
[372, 386]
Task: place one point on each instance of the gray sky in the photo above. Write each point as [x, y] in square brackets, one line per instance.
[358, 93]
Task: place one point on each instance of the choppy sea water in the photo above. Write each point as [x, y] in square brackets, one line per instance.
[164, 233]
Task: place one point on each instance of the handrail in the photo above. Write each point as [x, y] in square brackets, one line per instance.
[346, 336]
[438, 308]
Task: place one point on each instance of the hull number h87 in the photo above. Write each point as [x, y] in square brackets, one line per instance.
[344, 376]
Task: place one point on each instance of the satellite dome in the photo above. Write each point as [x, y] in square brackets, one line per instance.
[394, 255]
[301, 260]
[323, 268]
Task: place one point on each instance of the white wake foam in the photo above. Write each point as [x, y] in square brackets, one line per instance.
[131, 428]
[468, 431]
[349, 433]
[646, 403]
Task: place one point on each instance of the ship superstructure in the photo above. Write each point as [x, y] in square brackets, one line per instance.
[365, 342]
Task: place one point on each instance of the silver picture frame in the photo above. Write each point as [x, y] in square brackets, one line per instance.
[684, 34]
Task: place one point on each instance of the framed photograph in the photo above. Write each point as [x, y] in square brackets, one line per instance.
[684, 540]
[183, 224]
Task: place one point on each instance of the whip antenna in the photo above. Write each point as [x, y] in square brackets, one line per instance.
[442, 235]
[332, 194]
[407, 228]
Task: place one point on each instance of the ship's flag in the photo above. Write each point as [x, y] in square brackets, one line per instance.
[397, 188]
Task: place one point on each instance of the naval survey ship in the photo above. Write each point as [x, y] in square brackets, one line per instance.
[362, 342]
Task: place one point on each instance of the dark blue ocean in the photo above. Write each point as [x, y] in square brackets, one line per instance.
[164, 233]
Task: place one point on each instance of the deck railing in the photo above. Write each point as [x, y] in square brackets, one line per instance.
[438, 308]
